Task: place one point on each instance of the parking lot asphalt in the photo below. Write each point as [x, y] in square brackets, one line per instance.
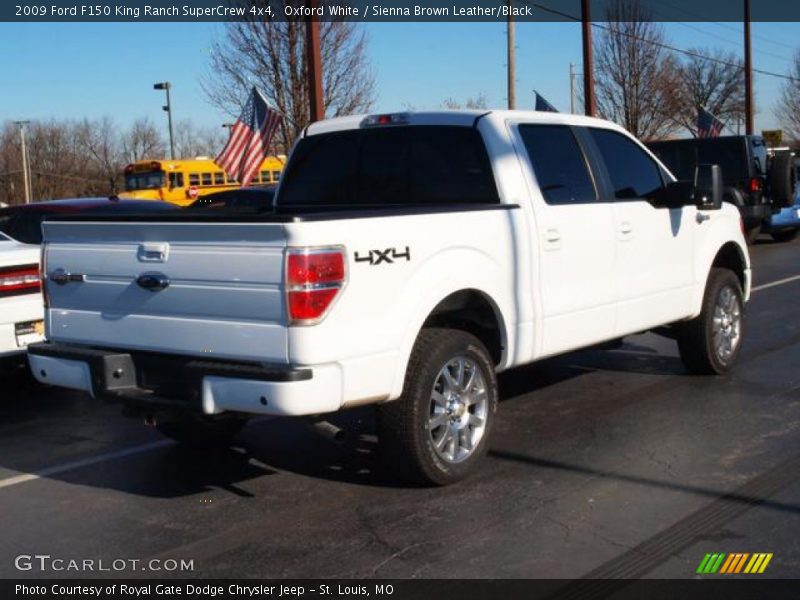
[603, 463]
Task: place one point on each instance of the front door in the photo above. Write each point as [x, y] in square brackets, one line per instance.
[655, 262]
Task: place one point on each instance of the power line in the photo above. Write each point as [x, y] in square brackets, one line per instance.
[701, 18]
[659, 44]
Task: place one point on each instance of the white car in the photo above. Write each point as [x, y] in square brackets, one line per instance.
[407, 260]
[21, 309]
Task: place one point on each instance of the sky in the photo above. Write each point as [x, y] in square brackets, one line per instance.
[77, 70]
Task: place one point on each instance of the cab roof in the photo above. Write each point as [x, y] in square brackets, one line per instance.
[465, 118]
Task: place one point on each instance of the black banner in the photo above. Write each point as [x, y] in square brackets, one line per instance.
[386, 10]
[733, 588]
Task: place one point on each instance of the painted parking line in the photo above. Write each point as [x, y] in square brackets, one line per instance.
[772, 284]
[84, 462]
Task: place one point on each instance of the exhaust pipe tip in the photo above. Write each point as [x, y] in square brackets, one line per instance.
[329, 431]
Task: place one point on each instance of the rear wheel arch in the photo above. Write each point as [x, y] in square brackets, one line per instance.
[467, 309]
[472, 311]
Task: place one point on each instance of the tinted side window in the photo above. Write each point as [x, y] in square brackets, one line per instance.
[633, 173]
[559, 164]
[393, 165]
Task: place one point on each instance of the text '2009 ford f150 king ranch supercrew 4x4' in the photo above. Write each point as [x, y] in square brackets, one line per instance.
[408, 259]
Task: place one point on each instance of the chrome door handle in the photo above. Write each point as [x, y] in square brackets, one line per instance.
[552, 235]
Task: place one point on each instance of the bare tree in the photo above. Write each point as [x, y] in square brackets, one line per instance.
[192, 141]
[60, 164]
[271, 55]
[635, 73]
[714, 80]
[142, 141]
[98, 140]
[788, 107]
[478, 102]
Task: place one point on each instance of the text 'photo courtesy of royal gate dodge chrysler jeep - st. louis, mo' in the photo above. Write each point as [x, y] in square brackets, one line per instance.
[408, 258]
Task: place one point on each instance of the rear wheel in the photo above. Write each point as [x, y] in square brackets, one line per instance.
[192, 429]
[710, 343]
[785, 235]
[438, 430]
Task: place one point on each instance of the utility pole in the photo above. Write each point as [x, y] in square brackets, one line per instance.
[512, 62]
[588, 61]
[26, 174]
[571, 89]
[314, 64]
[748, 73]
[165, 85]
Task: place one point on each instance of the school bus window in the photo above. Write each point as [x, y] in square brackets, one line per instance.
[276, 175]
[230, 179]
[194, 179]
[264, 176]
[206, 178]
[175, 180]
[219, 179]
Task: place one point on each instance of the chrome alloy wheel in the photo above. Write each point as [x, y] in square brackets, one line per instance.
[727, 324]
[458, 410]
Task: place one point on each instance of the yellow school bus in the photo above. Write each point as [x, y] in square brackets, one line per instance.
[183, 181]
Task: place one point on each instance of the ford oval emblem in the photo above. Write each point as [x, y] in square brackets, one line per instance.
[152, 282]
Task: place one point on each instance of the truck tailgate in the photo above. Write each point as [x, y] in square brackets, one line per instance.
[219, 293]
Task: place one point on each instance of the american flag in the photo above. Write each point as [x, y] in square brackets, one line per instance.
[250, 138]
[708, 126]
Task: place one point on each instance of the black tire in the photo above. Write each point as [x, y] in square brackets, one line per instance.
[784, 235]
[696, 340]
[201, 430]
[782, 179]
[751, 235]
[405, 426]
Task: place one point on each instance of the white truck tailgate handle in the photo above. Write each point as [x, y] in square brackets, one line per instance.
[153, 252]
[625, 228]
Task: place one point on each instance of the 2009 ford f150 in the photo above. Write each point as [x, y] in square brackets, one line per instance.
[408, 258]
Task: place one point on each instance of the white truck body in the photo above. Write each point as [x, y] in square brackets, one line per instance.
[556, 277]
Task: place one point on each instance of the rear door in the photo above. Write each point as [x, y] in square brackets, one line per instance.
[207, 289]
[576, 243]
[655, 243]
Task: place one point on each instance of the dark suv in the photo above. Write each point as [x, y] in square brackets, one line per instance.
[757, 184]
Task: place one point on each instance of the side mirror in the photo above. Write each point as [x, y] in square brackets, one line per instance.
[708, 187]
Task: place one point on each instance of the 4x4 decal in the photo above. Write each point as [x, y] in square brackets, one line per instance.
[376, 257]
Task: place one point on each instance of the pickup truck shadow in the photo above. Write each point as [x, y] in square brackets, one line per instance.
[266, 446]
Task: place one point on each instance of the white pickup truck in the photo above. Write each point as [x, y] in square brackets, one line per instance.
[408, 258]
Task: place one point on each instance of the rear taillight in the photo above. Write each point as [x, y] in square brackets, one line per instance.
[15, 281]
[314, 277]
[755, 184]
[42, 271]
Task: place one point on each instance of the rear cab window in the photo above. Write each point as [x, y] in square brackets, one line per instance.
[558, 163]
[389, 166]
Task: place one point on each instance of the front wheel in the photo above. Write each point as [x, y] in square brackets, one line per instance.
[437, 431]
[710, 343]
